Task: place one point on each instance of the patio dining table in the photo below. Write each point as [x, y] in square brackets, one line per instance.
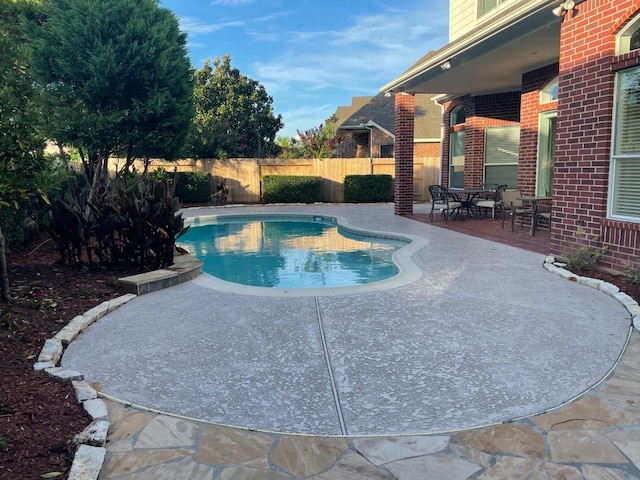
[467, 196]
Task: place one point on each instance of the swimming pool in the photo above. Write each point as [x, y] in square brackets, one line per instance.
[290, 251]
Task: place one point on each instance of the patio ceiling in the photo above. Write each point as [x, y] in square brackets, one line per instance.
[490, 58]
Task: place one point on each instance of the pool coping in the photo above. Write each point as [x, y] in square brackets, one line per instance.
[408, 271]
[185, 268]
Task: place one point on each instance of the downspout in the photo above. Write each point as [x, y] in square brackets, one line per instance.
[442, 131]
[370, 148]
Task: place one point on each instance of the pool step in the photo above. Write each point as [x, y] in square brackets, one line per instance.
[184, 268]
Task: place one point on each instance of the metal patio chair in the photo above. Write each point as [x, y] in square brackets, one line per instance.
[492, 200]
[443, 201]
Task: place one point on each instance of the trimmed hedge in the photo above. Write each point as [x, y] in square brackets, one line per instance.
[368, 188]
[193, 187]
[291, 189]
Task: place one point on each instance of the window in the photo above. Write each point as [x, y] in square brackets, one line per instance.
[550, 92]
[386, 150]
[456, 166]
[624, 195]
[629, 39]
[501, 155]
[458, 116]
[456, 148]
[485, 6]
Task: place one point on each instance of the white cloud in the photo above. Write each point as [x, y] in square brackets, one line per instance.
[195, 27]
[361, 57]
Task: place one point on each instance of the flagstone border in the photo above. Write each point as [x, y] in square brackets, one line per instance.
[91, 442]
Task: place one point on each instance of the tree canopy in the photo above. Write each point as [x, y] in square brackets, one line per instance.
[319, 142]
[234, 114]
[115, 79]
[21, 142]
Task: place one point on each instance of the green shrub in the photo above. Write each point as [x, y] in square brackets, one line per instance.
[634, 273]
[3, 443]
[126, 225]
[193, 187]
[291, 189]
[584, 258]
[29, 218]
[368, 188]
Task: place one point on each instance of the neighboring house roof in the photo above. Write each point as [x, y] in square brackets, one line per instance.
[344, 112]
[427, 118]
[378, 112]
[491, 57]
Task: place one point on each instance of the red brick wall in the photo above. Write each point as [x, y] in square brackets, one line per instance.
[379, 138]
[355, 143]
[404, 125]
[487, 111]
[583, 143]
[481, 112]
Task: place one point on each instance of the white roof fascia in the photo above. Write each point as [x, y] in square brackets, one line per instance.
[493, 28]
[371, 123]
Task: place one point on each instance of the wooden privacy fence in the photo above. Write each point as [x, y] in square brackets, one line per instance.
[242, 175]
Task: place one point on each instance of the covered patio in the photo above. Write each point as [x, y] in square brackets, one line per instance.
[489, 229]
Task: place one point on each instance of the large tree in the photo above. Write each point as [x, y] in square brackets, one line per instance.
[116, 80]
[21, 142]
[234, 114]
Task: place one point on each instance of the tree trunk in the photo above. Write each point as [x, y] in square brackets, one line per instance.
[5, 295]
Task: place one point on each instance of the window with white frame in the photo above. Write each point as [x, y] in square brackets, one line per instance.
[550, 92]
[624, 194]
[485, 6]
[456, 148]
[629, 39]
[501, 155]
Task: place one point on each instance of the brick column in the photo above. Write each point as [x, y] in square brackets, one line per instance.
[404, 119]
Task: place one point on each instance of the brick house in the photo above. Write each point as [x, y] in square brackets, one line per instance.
[367, 128]
[543, 96]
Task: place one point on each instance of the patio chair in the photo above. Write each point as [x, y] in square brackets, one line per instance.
[443, 201]
[542, 217]
[491, 200]
[512, 203]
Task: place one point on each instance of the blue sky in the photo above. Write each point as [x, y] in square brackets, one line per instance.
[312, 56]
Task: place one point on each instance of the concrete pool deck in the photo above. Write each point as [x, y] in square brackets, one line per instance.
[484, 336]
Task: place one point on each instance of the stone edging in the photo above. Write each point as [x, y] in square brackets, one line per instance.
[91, 442]
[89, 456]
[557, 268]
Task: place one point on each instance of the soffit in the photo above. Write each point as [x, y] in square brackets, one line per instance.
[490, 59]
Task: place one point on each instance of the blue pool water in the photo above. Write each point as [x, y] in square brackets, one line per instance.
[289, 252]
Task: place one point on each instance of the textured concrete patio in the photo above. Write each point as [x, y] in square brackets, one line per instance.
[482, 335]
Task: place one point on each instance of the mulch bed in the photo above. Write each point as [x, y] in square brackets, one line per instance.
[39, 416]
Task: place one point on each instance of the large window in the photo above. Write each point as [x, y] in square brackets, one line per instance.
[456, 167]
[501, 155]
[485, 6]
[456, 148]
[624, 194]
